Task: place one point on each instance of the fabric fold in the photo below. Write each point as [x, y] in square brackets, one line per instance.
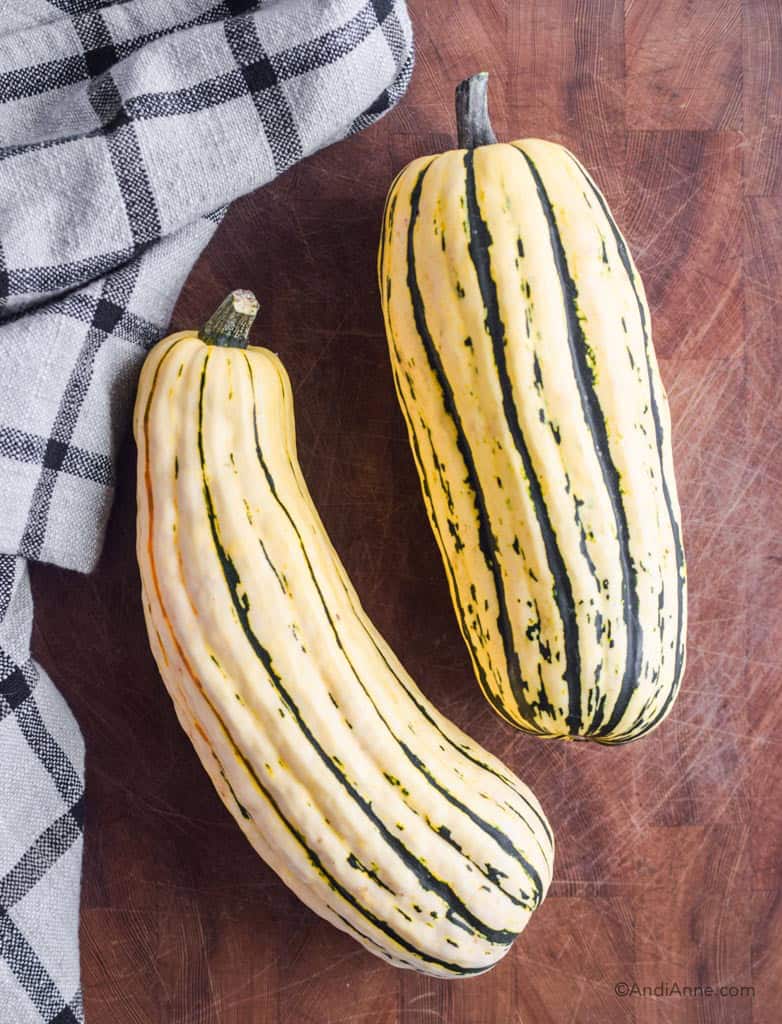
[120, 145]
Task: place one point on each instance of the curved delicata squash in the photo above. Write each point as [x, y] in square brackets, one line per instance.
[375, 810]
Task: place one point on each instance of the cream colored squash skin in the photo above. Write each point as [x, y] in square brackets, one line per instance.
[375, 810]
[521, 348]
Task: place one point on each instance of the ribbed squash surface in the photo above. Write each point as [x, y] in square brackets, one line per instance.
[379, 813]
[521, 348]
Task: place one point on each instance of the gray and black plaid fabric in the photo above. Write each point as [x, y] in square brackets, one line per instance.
[125, 130]
[41, 800]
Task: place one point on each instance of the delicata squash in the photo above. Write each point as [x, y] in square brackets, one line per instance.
[521, 348]
[375, 810]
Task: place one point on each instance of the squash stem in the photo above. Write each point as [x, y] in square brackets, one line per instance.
[473, 124]
[229, 326]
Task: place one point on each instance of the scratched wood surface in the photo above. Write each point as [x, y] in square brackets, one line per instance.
[669, 850]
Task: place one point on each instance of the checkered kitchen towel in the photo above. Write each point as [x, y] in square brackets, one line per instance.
[125, 129]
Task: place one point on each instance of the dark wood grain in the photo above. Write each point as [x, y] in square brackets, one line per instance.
[669, 850]
[683, 62]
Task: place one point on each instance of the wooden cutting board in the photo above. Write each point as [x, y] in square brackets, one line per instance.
[669, 850]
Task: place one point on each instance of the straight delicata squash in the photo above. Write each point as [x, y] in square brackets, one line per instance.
[375, 810]
[521, 348]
